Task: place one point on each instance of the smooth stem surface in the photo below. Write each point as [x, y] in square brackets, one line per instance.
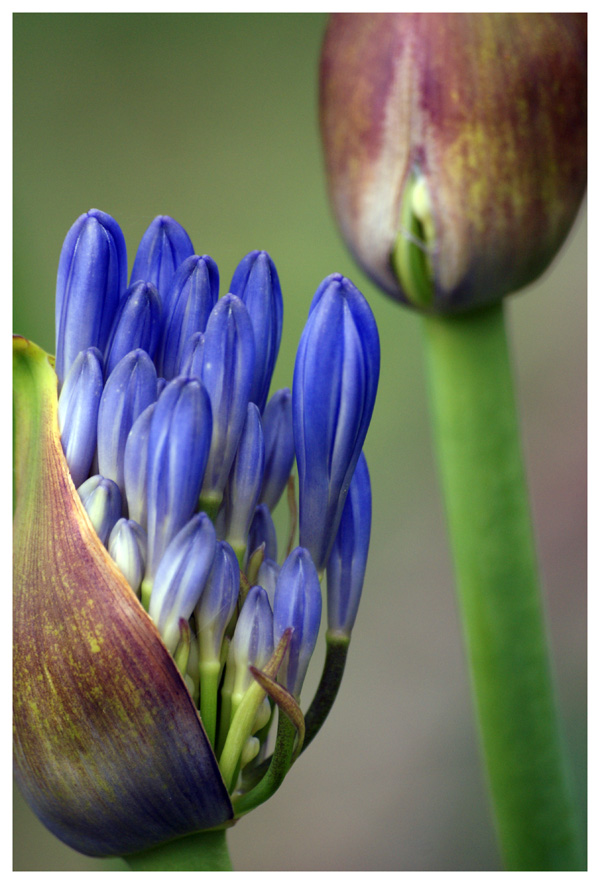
[478, 447]
[200, 852]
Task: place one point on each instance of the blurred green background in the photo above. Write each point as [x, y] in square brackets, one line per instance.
[213, 119]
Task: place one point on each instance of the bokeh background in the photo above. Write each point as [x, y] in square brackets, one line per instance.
[213, 119]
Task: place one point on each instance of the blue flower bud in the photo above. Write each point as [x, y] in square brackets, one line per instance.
[101, 499]
[129, 390]
[136, 324]
[262, 530]
[268, 574]
[335, 383]
[245, 480]
[256, 282]
[217, 602]
[348, 558]
[186, 307]
[279, 446]
[192, 356]
[227, 373]
[78, 412]
[92, 275]
[252, 642]
[180, 433]
[135, 467]
[180, 577]
[297, 604]
[164, 246]
[127, 546]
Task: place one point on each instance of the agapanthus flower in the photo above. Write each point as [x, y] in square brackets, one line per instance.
[151, 664]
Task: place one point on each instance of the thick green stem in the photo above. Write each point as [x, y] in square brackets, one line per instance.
[200, 852]
[479, 452]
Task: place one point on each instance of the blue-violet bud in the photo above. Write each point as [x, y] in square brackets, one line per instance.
[92, 275]
[129, 390]
[186, 307]
[227, 372]
[192, 356]
[256, 282]
[278, 432]
[78, 413]
[136, 324]
[217, 602]
[135, 469]
[262, 530]
[101, 499]
[180, 432]
[252, 642]
[163, 247]
[297, 604]
[127, 546]
[348, 558]
[180, 577]
[245, 480]
[335, 383]
[267, 577]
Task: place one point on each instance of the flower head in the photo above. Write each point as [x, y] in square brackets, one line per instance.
[455, 147]
[150, 662]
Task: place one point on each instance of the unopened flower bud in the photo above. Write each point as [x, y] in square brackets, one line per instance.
[186, 307]
[92, 275]
[348, 559]
[163, 247]
[180, 577]
[278, 432]
[256, 282]
[227, 372]
[127, 546]
[129, 390]
[136, 324]
[455, 146]
[335, 383]
[78, 412]
[297, 604]
[102, 501]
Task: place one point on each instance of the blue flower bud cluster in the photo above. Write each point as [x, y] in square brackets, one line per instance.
[180, 456]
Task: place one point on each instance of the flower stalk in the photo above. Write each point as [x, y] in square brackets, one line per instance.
[481, 466]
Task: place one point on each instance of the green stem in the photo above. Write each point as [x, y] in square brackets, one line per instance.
[478, 447]
[200, 852]
[331, 679]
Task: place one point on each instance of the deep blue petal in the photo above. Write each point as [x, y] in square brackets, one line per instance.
[135, 467]
[78, 412]
[262, 530]
[348, 558]
[92, 275]
[245, 480]
[136, 324]
[163, 247]
[335, 383]
[297, 604]
[180, 433]
[256, 282]
[192, 357]
[227, 373]
[180, 577]
[279, 446]
[217, 602]
[187, 305]
[129, 390]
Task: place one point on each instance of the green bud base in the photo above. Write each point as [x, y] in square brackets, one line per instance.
[200, 852]
[479, 452]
